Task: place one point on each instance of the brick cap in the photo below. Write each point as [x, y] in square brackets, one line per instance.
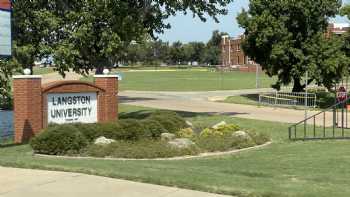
[49, 86]
[27, 77]
[106, 76]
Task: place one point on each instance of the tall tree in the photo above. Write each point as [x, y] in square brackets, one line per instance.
[161, 50]
[188, 52]
[34, 31]
[281, 36]
[6, 69]
[345, 11]
[177, 53]
[198, 51]
[212, 54]
[91, 34]
[87, 34]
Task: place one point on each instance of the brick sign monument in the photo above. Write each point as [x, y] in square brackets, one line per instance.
[37, 105]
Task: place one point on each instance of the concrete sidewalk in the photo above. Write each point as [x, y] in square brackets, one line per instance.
[37, 183]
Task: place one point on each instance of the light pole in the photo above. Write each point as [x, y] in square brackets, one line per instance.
[257, 76]
[306, 85]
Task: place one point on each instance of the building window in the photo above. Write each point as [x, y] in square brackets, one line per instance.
[238, 47]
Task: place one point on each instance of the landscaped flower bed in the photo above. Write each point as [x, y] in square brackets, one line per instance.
[161, 134]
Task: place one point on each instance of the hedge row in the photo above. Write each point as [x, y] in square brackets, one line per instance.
[73, 138]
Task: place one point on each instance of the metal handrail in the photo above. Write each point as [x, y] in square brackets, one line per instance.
[289, 99]
[334, 118]
[324, 111]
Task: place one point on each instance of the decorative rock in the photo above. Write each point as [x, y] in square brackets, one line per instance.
[188, 123]
[167, 136]
[241, 135]
[222, 123]
[181, 143]
[103, 141]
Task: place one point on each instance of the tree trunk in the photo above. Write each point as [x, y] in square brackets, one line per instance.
[99, 70]
[31, 67]
[297, 85]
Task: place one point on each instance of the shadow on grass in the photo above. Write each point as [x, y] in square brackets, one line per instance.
[324, 99]
[126, 99]
[11, 144]
[142, 114]
[251, 97]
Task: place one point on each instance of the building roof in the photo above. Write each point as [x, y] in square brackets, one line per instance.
[341, 25]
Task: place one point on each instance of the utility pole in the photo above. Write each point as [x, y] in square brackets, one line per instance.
[306, 97]
[257, 76]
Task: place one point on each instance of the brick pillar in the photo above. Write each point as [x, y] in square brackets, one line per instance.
[108, 100]
[27, 106]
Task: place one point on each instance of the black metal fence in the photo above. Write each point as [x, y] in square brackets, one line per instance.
[332, 123]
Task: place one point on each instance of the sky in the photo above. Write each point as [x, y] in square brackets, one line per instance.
[185, 28]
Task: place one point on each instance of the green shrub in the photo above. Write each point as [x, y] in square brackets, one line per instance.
[316, 90]
[142, 149]
[242, 142]
[95, 150]
[259, 138]
[325, 99]
[221, 131]
[153, 129]
[223, 143]
[214, 143]
[59, 140]
[212, 140]
[228, 129]
[131, 129]
[171, 121]
[6, 102]
[186, 133]
[90, 131]
[111, 130]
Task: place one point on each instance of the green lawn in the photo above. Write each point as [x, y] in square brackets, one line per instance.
[42, 71]
[252, 99]
[190, 80]
[283, 169]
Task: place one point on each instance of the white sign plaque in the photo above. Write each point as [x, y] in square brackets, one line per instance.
[72, 107]
[5, 33]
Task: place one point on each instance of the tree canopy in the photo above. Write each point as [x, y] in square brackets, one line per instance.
[287, 38]
[87, 34]
[155, 52]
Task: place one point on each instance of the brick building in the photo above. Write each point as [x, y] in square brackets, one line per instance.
[337, 28]
[234, 57]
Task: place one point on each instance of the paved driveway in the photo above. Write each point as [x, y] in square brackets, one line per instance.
[201, 102]
[36, 183]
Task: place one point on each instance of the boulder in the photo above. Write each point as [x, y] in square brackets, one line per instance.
[181, 143]
[103, 141]
[241, 135]
[222, 123]
[167, 136]
[188, 123]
